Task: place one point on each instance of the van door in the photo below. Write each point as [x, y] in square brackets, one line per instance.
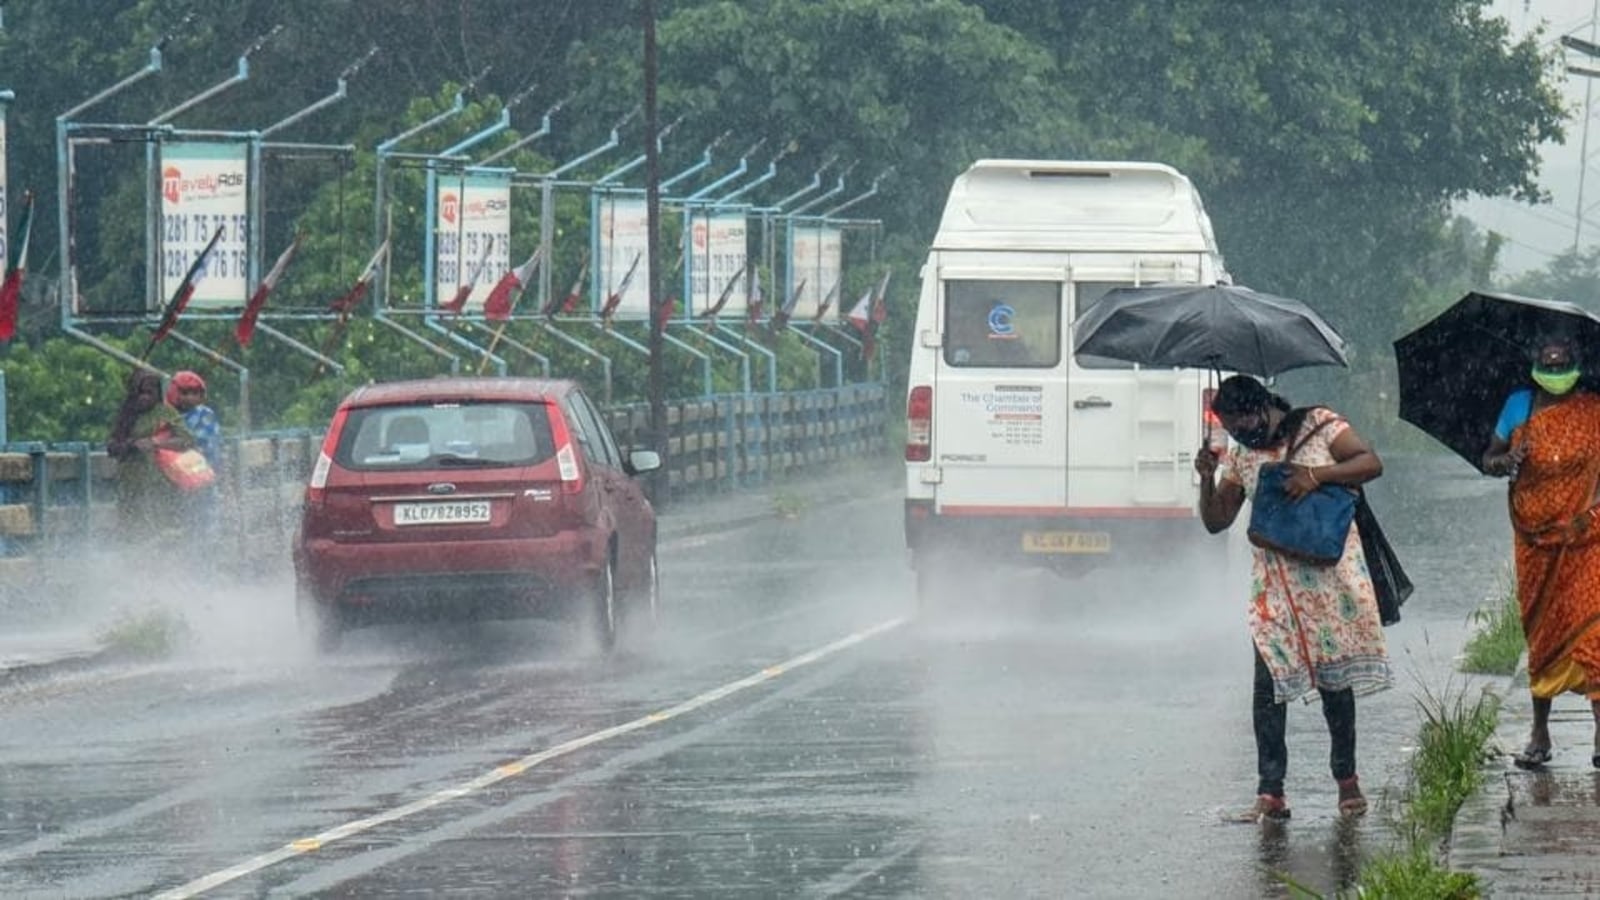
[1000, 395]
[1132, 430]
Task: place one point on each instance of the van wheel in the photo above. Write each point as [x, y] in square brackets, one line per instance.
[934, 585]
[319, 622]
[600, 607]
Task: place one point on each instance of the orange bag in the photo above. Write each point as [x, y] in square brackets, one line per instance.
[187, 469]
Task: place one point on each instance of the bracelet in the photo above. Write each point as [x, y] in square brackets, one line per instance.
[1313, 473]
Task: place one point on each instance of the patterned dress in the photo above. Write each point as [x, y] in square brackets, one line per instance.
[1314, 626]
[1558, 545]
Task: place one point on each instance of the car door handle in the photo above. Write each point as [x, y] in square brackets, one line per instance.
[1095, 402]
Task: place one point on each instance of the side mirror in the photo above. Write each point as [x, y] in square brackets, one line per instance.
[642, 461]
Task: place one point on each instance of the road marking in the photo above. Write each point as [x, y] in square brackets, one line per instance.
[500, 773]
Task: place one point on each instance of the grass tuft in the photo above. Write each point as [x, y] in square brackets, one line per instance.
[153, 633]
[1452, 747]
[787, 504]
[1497, 643]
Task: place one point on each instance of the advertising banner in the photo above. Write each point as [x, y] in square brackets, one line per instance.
[622, 261]
[815, 258]
[472, 235]
[204, 187]
[716, 259]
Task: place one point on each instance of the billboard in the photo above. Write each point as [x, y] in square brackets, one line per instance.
[715, 257]
[621, 254]
[815, 269]
[204, 187]
[472, 235]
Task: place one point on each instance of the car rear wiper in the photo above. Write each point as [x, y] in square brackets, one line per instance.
[466, 461]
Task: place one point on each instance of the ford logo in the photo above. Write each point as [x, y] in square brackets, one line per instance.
[443, 487]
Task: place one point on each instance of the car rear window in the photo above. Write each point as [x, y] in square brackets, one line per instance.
[445, 435]
[1002, 324]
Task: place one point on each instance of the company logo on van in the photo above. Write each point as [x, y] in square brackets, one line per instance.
[1000, 327]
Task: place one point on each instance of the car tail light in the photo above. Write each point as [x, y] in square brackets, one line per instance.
[566, 454]
[919, 424]
[316, 488]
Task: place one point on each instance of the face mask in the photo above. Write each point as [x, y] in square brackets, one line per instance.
[1257, 438]
[1556, 383]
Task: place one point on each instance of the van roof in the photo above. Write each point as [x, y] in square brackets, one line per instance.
[1027, 204]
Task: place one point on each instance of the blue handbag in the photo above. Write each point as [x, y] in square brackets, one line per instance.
[1312, 529]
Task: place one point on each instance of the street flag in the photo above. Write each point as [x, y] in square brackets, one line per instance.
[752, 313]
[347, 304]
[11, 288]
[827, 303]
[497, 308]
[860, 315]
[246, 329]
[727, 293]
[568, 304]
[880, 302]
[180, 297]
[459, 299]
[780, 319]
[664, 314]
[613, 301]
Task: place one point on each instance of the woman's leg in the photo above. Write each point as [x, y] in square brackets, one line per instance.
[1594, 705]
[1339, 710]
[1539, 737]
[1271, 719]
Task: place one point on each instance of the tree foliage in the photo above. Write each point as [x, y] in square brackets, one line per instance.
[1329, 140]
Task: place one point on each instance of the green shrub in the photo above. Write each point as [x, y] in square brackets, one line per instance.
[1498, 642]
[153, 633]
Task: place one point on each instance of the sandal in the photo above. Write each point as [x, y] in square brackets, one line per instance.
[1533, 757]
[1351, 802]
[1267, 808]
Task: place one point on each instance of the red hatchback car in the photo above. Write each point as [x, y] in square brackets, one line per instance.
[487, 497]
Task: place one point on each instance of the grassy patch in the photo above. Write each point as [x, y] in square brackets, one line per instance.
[788, 504]
[1416, 873]
[1497, 644]
[152, 633]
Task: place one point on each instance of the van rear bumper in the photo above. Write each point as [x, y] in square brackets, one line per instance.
[1048, 537]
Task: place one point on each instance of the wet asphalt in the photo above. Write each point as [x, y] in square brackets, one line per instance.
[794, 726]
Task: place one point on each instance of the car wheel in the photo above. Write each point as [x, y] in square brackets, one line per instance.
[647, 604]
[601, 607]
[319, 622]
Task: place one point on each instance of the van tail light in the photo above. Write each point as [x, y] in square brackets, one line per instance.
[1212, 432]
[566, 454]
[317, 487]
[919, 424]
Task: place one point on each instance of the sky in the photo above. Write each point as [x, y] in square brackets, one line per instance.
[1537, 234]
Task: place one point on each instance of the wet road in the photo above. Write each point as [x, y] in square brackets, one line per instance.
[792, 729]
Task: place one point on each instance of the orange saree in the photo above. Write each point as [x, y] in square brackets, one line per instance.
[1557, 525]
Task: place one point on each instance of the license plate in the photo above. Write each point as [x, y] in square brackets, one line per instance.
[441, 513]
[1066, 542]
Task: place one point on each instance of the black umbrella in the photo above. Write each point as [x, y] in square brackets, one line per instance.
[1219, 327]
[1457, 370]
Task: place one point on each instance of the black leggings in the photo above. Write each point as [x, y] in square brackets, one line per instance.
[1271, 718]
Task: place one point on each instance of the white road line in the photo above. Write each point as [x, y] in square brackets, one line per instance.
[517, 767]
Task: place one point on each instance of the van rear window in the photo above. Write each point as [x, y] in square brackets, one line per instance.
[443, 435]
[1002, 324]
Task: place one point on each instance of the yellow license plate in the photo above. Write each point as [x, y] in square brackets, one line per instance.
[1066, 542]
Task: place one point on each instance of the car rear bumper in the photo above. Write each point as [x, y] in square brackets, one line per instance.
[1050, 540]
[524, 572]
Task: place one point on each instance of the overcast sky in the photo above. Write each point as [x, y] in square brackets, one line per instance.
[1536, 234]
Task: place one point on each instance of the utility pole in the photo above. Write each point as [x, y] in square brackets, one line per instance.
[652, 195]
[1590, 49]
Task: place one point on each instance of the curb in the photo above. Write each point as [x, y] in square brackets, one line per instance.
[1475, 840]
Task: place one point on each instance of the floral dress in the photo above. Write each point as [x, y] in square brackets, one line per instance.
[1316, 627]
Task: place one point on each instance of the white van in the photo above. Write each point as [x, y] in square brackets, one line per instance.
[1016, 450]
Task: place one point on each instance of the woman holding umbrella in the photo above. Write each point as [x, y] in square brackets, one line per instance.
[1315, 628]
[1546, 443]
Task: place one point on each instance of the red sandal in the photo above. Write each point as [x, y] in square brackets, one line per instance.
[1351, 802]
